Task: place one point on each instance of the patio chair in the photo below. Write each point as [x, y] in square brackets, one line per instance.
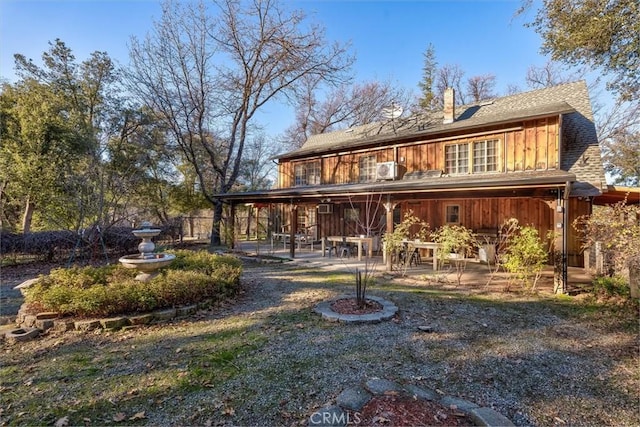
[345, 249]
[415, 258]
[330, 247]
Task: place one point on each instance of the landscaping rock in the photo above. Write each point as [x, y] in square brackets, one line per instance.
[44, 324]
[164, 315]
[463, 405]
[143, 319]
[382, 386]
[21, 334]
[488, 417]
[47, 315]
[29, 321]
[353, 398]
[63, 325]
[114, 323]
[421, 393]
[86, 325]
[186, 310]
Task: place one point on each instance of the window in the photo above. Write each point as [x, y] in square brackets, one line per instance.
[307, 173]
[452, 214]
[367, 168]
[477, 157]
[485, 156]
[456, 158]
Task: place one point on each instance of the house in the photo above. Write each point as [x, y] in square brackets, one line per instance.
[533, 156]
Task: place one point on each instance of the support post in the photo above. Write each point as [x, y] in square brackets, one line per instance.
[232, 232]
[293, 220]
[388, 207]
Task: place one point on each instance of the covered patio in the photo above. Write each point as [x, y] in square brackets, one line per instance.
[476, 273]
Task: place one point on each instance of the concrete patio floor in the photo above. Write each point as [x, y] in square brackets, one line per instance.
[475, 271]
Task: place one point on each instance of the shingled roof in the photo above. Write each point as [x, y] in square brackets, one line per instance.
[580, 152]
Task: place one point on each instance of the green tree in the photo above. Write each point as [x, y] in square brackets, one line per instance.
[599, 33]
[427, 99]
[60, 115]
[40, 147]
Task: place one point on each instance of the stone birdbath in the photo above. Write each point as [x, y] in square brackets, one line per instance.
[147, 261]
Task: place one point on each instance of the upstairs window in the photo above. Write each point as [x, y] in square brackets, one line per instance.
[485, 156]
[367, 169]
[307, 173]
[476, 157]
[456, 157]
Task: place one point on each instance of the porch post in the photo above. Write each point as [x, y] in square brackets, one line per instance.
[232, 232]
[389, 207]
[293, 220]
[560, 261]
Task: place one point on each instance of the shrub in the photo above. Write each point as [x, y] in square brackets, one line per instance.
[458, 240]
[110, 290]
[607, 287]
[525, 256]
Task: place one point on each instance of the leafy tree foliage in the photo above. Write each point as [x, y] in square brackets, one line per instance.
[427, 99]
[598, 33]
[617, 229]
[525, 256]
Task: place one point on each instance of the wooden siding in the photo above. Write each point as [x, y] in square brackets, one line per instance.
[532, 147]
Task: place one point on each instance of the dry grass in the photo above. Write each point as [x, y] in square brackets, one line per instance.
[267, 359]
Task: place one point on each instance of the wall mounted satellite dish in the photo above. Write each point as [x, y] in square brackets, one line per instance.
[392, 112]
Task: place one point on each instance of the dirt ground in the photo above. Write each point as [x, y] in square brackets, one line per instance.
[266, 358]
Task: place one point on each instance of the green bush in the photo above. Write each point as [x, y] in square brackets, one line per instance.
[525, 256]
[605, 286]
[101, 291]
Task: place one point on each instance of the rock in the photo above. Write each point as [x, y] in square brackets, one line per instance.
[489, 417]
[86, 325]
[44, 324]
[21, 334]
[353, 398]
[421, 393]
[114, 323]
[463, 405]
[382, 386]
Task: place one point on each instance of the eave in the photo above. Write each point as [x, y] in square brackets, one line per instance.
[503, 184]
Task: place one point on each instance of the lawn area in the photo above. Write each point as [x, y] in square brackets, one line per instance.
[266, 358]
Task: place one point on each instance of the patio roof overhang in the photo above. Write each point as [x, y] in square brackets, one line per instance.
[515, 184]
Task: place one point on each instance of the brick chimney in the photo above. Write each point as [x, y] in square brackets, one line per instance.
[449, 105]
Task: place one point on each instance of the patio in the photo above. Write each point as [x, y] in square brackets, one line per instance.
[475, 271]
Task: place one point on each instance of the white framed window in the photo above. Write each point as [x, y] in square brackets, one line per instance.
[367, 168]
[456, 158]
[485, 156]
[307, 173]
[476, 157]
[452, 214]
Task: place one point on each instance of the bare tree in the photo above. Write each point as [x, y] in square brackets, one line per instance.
[449, 76]
[550, 74]
[207, 76]
[343, 107]
[481, 87]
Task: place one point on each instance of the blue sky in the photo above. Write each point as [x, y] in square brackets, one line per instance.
[387, 37]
